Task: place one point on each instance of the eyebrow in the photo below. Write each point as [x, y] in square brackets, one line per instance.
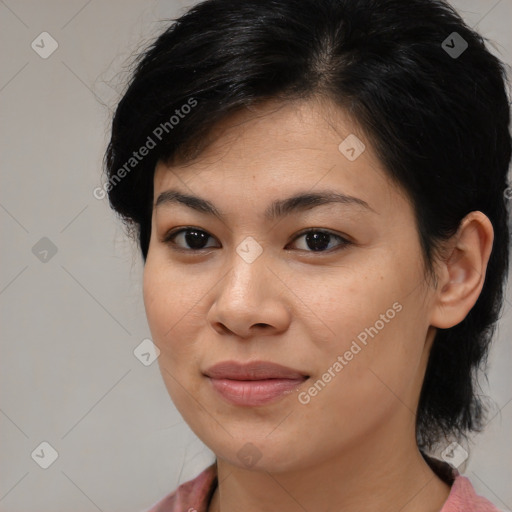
[277, 209]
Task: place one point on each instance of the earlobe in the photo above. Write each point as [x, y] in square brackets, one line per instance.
[463, 271]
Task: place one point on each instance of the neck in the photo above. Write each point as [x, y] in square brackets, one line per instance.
[374, 477]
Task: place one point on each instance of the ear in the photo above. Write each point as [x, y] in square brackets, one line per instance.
[462, 274]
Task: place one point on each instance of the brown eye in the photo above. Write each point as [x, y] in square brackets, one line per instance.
[193, 237]
[319, 240]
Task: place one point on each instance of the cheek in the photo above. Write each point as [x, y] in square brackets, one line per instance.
[169, 319]
[355, 306]
[161, 302]
[382, 375]
[376, 327]
[174, 307]
[155, 299]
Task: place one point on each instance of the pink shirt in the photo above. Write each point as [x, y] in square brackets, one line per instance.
[195, 495]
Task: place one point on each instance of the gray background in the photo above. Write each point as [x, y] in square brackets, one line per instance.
[70, 324]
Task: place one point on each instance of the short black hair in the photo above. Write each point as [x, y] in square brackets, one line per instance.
[418, 81]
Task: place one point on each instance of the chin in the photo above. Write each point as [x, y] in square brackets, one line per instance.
[260, 454]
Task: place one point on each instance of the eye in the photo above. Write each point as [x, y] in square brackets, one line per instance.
[316, 239]
[195, 237]
[319, 239]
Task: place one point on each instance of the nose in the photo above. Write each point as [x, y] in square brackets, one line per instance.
[250, 300]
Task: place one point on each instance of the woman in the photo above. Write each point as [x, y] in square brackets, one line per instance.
[318, 192]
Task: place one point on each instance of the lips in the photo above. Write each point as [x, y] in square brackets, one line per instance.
[255, 383]
[258, 370]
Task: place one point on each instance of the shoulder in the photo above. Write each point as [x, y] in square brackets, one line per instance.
[463, 498]
[191, 496]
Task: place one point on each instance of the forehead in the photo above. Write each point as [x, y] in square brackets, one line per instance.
[274, 150]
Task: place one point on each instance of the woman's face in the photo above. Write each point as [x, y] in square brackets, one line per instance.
[348, 317]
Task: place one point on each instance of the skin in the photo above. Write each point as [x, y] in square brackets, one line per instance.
[352, 447]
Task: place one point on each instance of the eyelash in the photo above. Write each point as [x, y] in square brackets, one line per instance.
[168, 239]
